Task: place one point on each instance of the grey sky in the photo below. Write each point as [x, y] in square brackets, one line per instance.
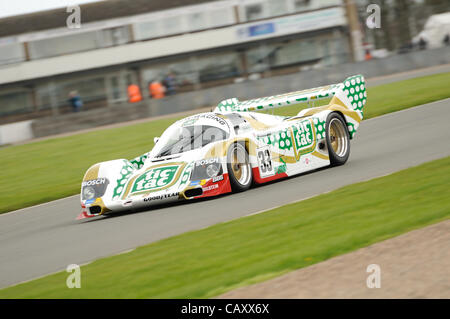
[16, 7]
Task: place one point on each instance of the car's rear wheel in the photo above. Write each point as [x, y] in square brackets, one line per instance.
[338, 139]
[239, 168]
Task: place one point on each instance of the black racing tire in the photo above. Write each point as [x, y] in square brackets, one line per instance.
[239, 167]
[338, 139]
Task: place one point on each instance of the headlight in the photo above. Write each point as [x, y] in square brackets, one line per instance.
[88, 192]
[207, 168]
[94, 188]
[212, 170]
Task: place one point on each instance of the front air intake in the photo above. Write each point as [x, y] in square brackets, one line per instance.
[193, 192]
[95, 210]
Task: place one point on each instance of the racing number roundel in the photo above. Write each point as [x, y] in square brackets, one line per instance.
[265, 162]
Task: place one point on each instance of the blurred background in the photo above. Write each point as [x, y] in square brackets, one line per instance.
[143, 58]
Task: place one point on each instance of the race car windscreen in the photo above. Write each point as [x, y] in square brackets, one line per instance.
[179, 139]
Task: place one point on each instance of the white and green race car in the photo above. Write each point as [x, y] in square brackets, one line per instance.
[229, 149]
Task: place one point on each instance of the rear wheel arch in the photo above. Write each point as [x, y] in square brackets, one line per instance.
[340, 139]
[345, 121]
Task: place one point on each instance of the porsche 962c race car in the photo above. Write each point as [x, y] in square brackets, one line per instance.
[229, 149]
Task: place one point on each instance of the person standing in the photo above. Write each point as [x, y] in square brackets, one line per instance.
[157, 90]
[422, 43]
[170, 83]
[446, 40]
[75, 101]
[368, 55]
[134, 93]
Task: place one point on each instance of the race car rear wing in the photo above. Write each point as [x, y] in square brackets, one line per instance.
[351, 93]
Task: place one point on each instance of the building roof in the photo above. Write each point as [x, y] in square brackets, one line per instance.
[90, 12]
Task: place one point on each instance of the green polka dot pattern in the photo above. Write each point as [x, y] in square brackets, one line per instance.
[281, 139]
[351, 129]
[320, 128]
[355, 89]
[284, 140]
[125, 173]
[138, 162]
[228, 105]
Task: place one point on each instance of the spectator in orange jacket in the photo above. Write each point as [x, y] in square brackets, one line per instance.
[134, 93]
[368, 55]
[157, 90]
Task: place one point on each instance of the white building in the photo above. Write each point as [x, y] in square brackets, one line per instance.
[205, 43]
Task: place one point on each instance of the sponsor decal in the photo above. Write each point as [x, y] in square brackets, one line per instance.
[210, 188]
[98, 181]
[217, 178]
[190, 121]
[201, 182]
[303, 136]
[90, 201]
[127, 203]
[155, 178]
[219, 120]
[206, 161]
[160, 197]
[261, 29]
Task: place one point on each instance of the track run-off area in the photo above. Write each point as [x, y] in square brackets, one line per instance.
[44, 239]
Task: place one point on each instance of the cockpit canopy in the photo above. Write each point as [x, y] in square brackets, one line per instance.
[191, 133]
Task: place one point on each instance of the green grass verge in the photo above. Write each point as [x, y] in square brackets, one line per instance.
[42, 171]
[214, 260]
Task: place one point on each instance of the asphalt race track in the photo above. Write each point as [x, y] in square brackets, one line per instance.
[44, 239]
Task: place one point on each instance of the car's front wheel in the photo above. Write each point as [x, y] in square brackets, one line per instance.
[338, 139]
[239, 168]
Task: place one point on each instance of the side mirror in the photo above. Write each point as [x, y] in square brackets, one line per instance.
[156, 139]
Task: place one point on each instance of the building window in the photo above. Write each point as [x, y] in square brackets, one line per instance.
[147, 30]
[191, 71]
[277, 7]
[171, 25]
[218, 66]
[15, 102]
[11, 53]
[254, 12]
[90, 89]
[258, 58]
[302, 5]
[114, 36]
[56, 93]
[283, 54]
[183, 70]
[63, 45]
[196, 21]
[221, 17]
